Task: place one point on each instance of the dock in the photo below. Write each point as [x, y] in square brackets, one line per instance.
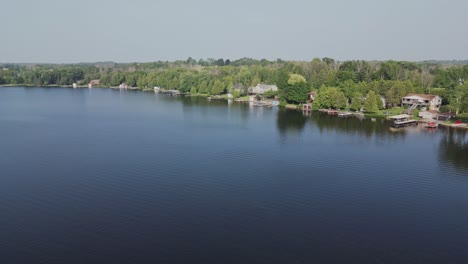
[329, 111]
[402, 120]
[345, 114]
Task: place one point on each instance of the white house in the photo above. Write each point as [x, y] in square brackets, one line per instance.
[431, 102]
[431, 114]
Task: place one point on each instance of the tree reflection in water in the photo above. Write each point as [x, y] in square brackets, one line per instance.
[290, 122]
[453, 148]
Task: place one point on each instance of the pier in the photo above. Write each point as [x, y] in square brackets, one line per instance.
[402, 120]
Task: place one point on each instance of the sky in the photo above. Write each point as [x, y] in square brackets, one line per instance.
[66, 31]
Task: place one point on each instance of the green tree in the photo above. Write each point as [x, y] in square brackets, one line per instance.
[296, 90]
[245, 77]
[356, 101]
[329, 97]
[270, 94]
[459, 98]
[236, 94]
[203, 87]
[218, 88]
[371, 103]
[296, 78]
[186, 81]
[338, 99]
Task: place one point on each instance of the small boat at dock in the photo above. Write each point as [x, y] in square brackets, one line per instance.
[432, 125]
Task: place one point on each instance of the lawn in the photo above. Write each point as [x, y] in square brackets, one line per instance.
[462, 117]
[385, 112]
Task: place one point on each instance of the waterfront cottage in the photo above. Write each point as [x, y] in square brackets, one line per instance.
[445, 116]
[432, 102]
[262, 88]
[93, 83]
[431, 114]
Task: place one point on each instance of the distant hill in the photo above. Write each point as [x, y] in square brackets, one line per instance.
[446, 62]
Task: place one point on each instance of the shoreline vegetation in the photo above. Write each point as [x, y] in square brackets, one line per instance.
[372, 87]
[384, 114]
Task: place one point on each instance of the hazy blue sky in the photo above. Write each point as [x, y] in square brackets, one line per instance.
[149, 30]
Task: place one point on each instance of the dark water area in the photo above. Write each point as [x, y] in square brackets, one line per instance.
[108, 176]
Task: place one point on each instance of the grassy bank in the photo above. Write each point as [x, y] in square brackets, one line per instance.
[384, 112]
[291, 106]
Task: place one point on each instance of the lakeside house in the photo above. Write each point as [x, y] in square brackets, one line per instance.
[436, 115]
[431, 102]
[445, 116]
[260, 89]
[93, 82]
[123, 86]
[430, 114]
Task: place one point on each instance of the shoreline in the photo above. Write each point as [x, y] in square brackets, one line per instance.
[220, 97]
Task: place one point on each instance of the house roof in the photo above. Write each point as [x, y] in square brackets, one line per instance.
[423, 96]
[262, 88]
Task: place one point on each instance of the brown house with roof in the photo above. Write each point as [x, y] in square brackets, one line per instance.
[93, 83]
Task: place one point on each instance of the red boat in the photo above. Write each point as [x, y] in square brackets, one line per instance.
[432, 125]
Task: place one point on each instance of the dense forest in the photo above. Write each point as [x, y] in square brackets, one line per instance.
[339, 84]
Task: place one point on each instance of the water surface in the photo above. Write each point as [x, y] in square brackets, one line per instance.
[108, 176]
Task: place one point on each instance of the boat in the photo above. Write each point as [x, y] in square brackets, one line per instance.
[432, 125]
[402, 120]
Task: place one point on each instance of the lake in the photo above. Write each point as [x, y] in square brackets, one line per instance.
[109, 176]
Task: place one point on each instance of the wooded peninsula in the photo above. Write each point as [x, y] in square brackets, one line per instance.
[353, 84]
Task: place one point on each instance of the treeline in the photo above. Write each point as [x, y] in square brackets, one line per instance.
[342, 81]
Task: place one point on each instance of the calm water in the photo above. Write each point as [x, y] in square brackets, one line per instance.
[104, 176]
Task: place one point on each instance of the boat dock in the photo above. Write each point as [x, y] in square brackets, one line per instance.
[402, 120]
[329, 111]
[345, 114]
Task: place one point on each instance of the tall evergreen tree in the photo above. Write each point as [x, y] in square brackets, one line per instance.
[371, 104]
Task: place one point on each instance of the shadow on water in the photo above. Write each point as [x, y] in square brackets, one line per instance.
[379, 128]
[453, 148]
[290, 122]
[206, 107]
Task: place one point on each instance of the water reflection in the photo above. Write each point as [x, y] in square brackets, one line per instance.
[453, 148]
[366, 127]
[290, 122]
